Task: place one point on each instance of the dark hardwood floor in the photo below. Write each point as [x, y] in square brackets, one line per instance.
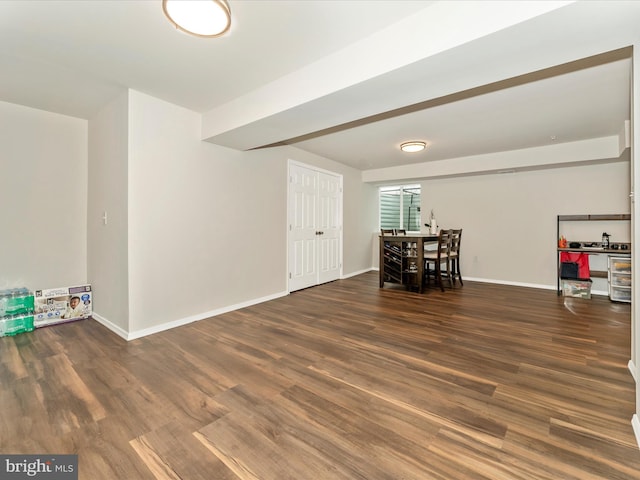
[341, 381]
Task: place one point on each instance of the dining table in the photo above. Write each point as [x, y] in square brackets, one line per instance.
[402, 259]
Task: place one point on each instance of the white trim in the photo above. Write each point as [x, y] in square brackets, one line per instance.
[183, 321]
[503, 282]
[121, 332]
[632, 368]
[313, 167]
[635, 423]
[524, 284]
[359, 272]
[600, 292]
[506, 282]
[201, 316]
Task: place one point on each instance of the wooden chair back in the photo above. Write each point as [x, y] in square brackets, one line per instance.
[444, 244]
[456, 236]
[438, 258]
[454, 255]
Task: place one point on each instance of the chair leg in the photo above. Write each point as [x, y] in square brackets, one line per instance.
[453, 272]
[438, 278]
[439, 275]
[450, 272]
[457, 270]
[428, 272]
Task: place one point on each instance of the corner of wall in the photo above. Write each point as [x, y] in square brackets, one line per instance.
[110, 325]
[635, 423]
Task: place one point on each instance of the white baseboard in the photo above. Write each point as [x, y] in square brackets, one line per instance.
[505, 282]
[359, 272]
[523, 284]
[499, 282]
[181, 321]
[121, 332]
[635, 423]
[486, 280]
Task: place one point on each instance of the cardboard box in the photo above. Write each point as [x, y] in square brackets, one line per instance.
[576, 288]
[58, 305]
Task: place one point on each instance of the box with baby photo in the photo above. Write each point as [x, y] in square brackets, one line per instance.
[58, 305]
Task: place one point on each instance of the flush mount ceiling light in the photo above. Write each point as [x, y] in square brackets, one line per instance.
[412, 147]
[203, 18]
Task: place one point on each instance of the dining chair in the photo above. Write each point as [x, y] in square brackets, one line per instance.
[401, 231]
[438, 258]
[454, 255]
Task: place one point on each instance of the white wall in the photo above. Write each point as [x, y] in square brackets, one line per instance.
[509, 220]
[175, 247]
[43, 198]
[635, 181]
[207, 224]
[107, 254]
[360, 217]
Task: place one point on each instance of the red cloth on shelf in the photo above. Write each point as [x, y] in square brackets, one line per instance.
[582, 259]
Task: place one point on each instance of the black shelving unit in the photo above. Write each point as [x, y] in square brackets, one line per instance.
[590, 250]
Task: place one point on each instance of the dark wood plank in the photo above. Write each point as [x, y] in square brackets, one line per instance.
[341, 381]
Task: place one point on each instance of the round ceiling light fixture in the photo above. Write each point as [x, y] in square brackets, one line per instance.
[412, 147]
[203, 18]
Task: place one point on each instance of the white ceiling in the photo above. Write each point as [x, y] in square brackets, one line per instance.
[589, 103]
[72, 57]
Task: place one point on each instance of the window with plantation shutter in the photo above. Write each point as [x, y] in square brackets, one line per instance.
[400, 207]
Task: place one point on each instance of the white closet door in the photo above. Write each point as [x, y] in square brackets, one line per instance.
[315, 227]
[329, 227]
